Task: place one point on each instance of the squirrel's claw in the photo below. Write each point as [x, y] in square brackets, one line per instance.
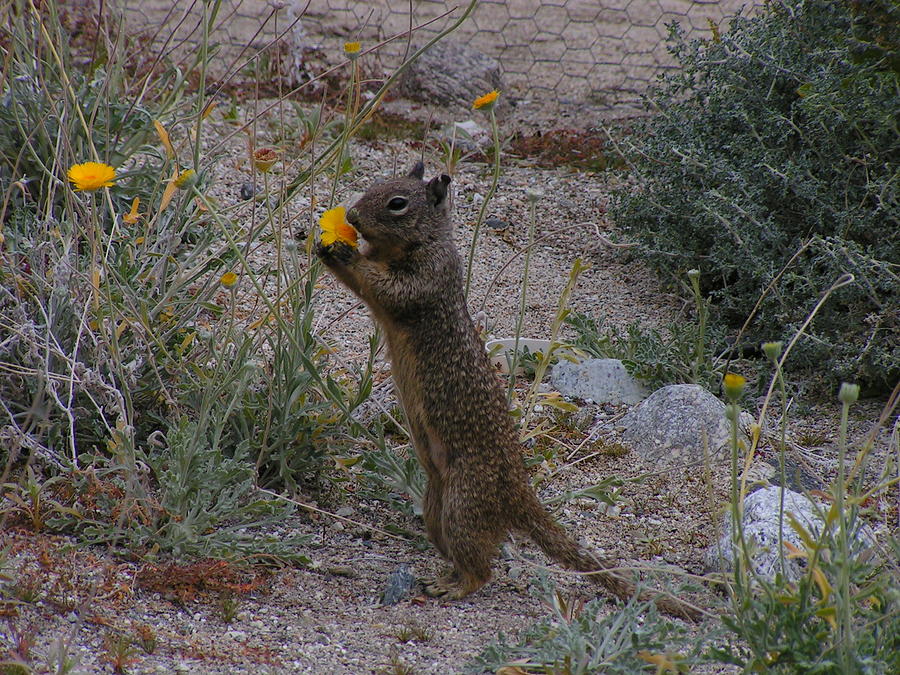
[338, 253]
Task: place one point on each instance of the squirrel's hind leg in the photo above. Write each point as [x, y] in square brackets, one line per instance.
[472, 540]
[432, 514]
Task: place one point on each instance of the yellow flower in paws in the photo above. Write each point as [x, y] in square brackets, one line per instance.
[336, 228]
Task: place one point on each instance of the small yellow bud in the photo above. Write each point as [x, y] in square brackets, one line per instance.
[228, 280]
[734, 385]
[351, 49]
[186, 179]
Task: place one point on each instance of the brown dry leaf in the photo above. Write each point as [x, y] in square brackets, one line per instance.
[169, 192]
[164, 137]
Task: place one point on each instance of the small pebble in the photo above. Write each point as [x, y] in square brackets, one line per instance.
[247, 191]
[399, 585]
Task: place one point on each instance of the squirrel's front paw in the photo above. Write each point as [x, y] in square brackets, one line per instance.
[338, 253]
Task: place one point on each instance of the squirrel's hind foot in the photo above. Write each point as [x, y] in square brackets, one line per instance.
[452, 586]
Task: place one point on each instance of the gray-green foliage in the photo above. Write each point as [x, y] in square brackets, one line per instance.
[129, 380]
[780, 136]
[577, 639]
[194, 500]
[295, 412]
[656, 357]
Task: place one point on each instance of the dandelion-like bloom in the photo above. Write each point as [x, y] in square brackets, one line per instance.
[487, 101]
[351, 48]
[91, 176]
[264, 158]
[336, 228]
[734, 385]
[228, 280]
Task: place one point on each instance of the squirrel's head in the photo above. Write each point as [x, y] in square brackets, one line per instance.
[403, 212]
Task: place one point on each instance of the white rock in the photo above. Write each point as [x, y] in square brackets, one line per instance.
[762, 515]
[600, 380]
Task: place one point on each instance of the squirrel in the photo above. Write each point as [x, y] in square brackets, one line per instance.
[409, 273]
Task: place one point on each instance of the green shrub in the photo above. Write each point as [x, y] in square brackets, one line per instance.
[770, 163]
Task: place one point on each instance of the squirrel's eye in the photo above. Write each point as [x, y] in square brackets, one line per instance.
[398, 204]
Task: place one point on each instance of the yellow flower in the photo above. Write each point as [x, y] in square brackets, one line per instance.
[336, 228]
[186, 179]
[351, 48]
[486, 101]
[91, 176]
[734, 385]
[228, 279]
[133, 216]
[264, 158]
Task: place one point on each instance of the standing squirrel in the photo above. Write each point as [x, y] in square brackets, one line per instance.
[409, 273]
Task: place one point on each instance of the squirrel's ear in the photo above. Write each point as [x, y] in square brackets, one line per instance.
[418, 171]
[437, 189]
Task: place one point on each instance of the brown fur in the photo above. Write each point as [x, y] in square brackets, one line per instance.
[409, 273]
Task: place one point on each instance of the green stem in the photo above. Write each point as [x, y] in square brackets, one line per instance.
[514, 362]
[844, 608]
[496, 135]
[781, 467]
[349, 117]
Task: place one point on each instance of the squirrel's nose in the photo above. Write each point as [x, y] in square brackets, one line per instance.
[353, 217]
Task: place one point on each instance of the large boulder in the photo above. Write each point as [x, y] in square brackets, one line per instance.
[450, 74]
[676, 425]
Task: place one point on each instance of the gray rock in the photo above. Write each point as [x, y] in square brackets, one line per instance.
[760, 526]
[248, 191]
[600, 380]
[399, 585]
[450, 74]
[672, 426]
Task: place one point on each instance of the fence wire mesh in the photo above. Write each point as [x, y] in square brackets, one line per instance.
[563, 51]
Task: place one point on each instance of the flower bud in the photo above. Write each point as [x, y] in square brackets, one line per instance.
[264, 158]
[733, 412]
[533, 195]
[772, 350]
[848, 393]
[351, 49]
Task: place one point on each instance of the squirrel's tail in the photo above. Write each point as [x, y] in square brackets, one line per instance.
[558, 545]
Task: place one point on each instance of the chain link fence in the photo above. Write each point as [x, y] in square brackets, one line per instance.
[564, 51]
